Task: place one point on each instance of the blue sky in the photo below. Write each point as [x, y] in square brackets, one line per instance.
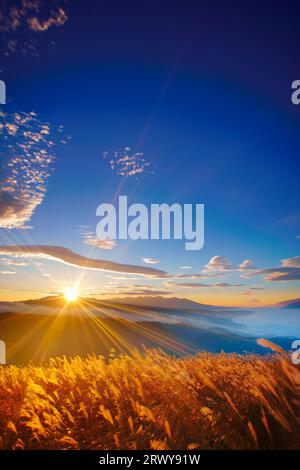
[203, 90]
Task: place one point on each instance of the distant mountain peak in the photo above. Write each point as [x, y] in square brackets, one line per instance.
[155, 302]
[158, 302]
[292, 303]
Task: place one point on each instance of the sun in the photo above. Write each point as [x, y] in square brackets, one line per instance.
[71, 294]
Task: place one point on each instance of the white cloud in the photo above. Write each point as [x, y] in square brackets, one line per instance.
[127, 163]
[150, 261]
[281, 274]
[28, 149]
[66, 256]
[218, 263]
[90, 239]
[291, 262]
[197, 276]
[288, 271]
[187, 285]
[246, 265]
[123, 278]
[226, 285]
[12, 262]
[196, 285]
[138, 290]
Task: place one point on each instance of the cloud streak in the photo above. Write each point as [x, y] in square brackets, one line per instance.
[137, 290]
[281, 274]
[90, 239]
[150, 261]
[291, 262]
[197, 285]
[66, 256]
[288, 271]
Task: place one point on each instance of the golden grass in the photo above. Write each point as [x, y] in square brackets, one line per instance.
[151, 401]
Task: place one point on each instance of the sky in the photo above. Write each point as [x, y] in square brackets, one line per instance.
[198, 96]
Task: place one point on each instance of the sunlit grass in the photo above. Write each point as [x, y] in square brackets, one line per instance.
[151, 401]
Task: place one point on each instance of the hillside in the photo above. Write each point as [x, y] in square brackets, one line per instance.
[294, 303]
[31, 337]
[151, 401]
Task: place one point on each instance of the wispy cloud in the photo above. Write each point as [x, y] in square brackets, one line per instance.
[150, 261]
[56, 18]
[207, 275]
[139, 290]
[187, 285]
[28, 149]
[221, 264]
[64, 255]
[12, 262]
[289, 270]
[281, 274]
[126, 162]
[226, 285]
[291, 262]
[90, 239]
[122, 278]
[23, 21]
[197, 285]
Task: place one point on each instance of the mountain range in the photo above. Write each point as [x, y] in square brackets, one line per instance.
[35, 330]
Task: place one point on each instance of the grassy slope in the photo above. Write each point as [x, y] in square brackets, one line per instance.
[151, 401]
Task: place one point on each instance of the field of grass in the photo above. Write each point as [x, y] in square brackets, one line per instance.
[152, 401]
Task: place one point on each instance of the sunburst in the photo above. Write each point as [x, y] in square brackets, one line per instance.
[71, 294]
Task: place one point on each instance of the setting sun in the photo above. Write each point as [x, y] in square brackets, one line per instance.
[71, 294]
